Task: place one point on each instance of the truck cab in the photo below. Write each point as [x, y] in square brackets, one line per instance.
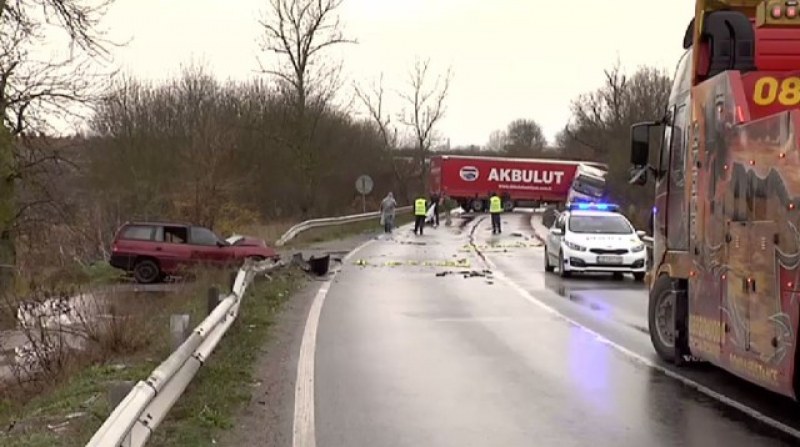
[589, 184]
[726, 255]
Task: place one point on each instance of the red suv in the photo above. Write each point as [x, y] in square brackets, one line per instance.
[153, 250]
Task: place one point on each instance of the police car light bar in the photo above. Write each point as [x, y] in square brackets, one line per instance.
[587, 206]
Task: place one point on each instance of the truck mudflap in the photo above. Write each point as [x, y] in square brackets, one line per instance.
[683, 353]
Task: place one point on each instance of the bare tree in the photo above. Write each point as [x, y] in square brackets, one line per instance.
[373, 101]
[497, 141]
[298, 31]
[525, 138]
[425, 104]
[599, 128]
[31, 90]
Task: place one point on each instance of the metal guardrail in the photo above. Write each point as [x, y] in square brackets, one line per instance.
[136, 417]
[330, 221]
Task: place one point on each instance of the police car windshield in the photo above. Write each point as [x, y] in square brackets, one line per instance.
[610, 224]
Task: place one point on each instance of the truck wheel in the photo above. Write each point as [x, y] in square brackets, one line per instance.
[508, 206]
[477, 205]
[661, 313]
[146, 271]
[547, 267]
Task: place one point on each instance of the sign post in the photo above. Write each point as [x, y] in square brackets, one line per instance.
[364, 186]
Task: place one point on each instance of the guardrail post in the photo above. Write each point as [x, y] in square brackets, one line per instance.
[178, 329]
[213, 299]
[233, 279]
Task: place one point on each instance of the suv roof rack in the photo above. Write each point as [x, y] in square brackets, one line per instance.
[158, 222]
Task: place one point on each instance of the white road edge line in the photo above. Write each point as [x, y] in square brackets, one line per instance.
[755, 414]
[304, 429]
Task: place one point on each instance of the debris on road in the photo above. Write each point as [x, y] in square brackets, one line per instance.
[458, 263]
[466, 273]
[316, 265]
[500, 247]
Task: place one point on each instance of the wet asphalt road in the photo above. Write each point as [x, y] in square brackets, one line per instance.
[406, 358]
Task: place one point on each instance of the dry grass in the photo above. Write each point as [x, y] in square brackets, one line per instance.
[129, 338]
[270, 232]
[273, 231]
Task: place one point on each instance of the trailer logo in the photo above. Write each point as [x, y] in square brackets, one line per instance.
[469, 173]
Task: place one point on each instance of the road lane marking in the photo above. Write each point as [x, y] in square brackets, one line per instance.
[755, 414]
[304, 428]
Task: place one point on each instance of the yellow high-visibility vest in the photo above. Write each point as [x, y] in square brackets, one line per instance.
[495, 206]
[419, 207]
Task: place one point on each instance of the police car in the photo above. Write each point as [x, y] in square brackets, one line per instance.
[589, 237]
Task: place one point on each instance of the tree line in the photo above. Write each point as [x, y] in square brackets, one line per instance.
[599, 130]
[225, 154]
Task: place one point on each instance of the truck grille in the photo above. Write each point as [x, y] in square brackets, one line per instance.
[603, 251]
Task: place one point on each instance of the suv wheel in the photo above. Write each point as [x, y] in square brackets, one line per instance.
[146, 271]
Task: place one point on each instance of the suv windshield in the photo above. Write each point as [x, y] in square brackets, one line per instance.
[611, 224]
[589, 185]
[204, 236]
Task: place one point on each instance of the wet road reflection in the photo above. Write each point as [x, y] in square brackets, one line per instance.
[618, 311]
[408, 357]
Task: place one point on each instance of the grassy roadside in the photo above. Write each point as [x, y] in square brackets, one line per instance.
[67, 408]
[223, 386]
[68, 412]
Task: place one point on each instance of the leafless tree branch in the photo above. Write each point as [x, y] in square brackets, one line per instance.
[427, 108]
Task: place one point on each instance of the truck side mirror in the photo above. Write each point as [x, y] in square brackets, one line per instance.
[640, 152]
[640, 144]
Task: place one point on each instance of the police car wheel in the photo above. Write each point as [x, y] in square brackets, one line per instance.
[547, 267]
[561, 270]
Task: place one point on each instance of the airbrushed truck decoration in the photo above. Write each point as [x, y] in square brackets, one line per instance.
[520, 181]
[726, 285]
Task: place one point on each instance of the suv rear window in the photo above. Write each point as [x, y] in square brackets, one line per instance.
[137, 232]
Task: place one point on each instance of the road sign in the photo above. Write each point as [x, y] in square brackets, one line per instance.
[364, 184]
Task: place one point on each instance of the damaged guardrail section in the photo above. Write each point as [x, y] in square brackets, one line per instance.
[136, 417]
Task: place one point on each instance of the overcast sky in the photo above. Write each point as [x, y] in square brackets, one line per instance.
[510, 58]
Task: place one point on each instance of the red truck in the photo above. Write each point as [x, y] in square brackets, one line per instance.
[520, 181]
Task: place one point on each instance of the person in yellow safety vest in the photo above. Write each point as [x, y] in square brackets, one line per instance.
[420, 211]
[495, 208]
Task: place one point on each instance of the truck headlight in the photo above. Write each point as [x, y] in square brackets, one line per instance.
[637, 248]
[574, 246]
